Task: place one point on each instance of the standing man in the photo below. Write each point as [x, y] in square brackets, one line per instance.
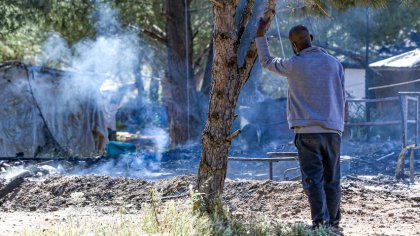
[315, 103]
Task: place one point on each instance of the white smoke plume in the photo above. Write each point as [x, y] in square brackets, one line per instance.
[111, 57]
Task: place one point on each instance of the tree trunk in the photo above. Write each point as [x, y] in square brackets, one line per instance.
[205, 89]
[179, 89]
[228, 79]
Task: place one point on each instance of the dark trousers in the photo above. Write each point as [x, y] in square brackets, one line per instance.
[319, 157]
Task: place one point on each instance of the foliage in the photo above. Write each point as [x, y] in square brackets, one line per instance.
[392, 26]
[322, 7]
[24, 24]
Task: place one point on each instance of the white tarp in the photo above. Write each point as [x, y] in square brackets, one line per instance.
[34, 115]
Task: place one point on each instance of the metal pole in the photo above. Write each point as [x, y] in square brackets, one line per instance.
[417, 114]
[367, 74]
[412, 165]
[187, 65]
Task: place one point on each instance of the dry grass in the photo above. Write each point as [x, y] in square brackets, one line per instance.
[175, 217]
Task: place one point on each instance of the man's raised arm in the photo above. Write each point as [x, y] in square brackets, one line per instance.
[274, 64]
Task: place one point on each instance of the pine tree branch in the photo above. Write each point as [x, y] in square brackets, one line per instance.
[252, 51]
[218, 4]
[246, 15]
[154, 36]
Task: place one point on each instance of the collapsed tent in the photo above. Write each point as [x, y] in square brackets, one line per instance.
[40, 117]
[397, 74]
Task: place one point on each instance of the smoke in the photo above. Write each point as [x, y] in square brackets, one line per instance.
[145, 163]
[112, 55]
[161, 140]
[54, 49]
[96, 69]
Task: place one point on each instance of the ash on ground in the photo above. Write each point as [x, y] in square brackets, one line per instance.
[358, 159]
[371, 205]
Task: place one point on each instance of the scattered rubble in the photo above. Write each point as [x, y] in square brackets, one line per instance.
[362, 159]
[374, 205]
[372, 198]
[99, 191]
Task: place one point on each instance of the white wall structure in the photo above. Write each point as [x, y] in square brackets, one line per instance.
[355, 82]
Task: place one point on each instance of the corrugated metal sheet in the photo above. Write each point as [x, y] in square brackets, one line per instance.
[409, 59]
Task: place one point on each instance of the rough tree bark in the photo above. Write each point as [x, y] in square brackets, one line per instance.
[180, 101]
[207, 73]
[228, 79]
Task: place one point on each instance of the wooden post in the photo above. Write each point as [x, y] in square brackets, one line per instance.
[399, 171]
[270, 169]
[412, 165]
[404, 108]
[346, 119]
[346, 112]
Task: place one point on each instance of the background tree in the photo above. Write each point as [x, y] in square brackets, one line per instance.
[181, 27]
[26, 25]
[180, 94]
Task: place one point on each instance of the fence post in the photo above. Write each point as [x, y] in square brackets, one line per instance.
[346, 132]
[404, 108]
[412, 165]
[270, 169]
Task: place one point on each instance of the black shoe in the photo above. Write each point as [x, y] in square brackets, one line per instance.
[314, 227]
[335, 229]
[335, 226]
[317, 225]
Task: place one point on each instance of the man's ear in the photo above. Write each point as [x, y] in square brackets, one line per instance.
[312, 37]
[295, 49]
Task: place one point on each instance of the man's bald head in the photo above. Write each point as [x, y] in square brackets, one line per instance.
[300, 38]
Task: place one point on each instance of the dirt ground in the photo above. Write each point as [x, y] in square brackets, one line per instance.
[375, 205]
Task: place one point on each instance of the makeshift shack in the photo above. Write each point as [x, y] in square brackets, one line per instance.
[396, 74]
[36, 119]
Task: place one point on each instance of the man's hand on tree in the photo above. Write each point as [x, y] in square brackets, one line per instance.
[262, 27]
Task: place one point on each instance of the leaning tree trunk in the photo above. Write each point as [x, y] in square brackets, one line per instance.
[178, 88]
[228, 78]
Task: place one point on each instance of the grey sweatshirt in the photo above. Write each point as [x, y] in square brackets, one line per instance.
[316, 95]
